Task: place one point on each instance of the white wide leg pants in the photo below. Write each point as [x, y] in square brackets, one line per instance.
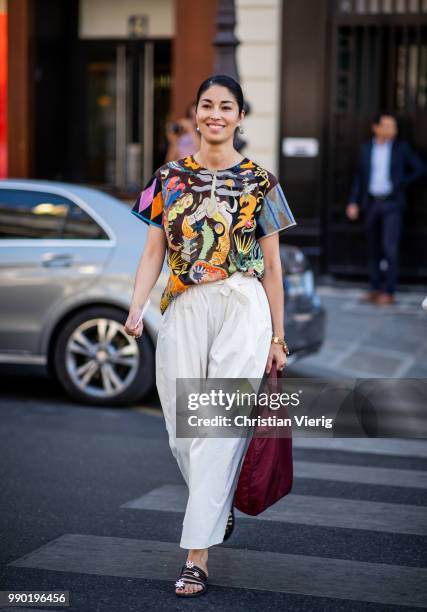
[220, 329]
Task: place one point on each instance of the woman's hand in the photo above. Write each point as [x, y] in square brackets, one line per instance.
[278, 355]
[171, 136]
[352, 211]
[130, 328]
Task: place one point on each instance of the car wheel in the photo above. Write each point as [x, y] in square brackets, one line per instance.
[98, 363]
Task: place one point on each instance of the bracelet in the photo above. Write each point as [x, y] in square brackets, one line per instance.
[282, 342]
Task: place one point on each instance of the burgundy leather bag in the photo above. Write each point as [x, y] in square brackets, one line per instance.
[267, 471]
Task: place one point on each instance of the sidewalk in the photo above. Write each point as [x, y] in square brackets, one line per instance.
[368, 341]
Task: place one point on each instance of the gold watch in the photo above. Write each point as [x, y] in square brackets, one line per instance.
[282, 342]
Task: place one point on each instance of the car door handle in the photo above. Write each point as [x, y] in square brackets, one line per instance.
[57, 260]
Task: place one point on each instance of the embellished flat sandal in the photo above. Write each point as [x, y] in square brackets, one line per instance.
[230, 524]
[191, 574]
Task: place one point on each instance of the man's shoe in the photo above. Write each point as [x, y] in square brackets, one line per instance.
[384, 299]
[370, 297]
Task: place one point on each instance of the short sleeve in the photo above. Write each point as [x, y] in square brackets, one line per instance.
[149, 204]
[275, 214]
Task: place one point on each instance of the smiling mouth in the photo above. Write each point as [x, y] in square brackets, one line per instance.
[215, 125]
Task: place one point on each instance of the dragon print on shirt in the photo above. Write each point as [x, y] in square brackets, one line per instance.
[213, 220]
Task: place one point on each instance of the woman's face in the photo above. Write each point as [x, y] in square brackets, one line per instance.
[217, 114]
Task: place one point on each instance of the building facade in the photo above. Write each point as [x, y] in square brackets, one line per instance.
[95, 81]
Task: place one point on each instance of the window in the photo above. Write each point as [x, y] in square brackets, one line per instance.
[381, 6]
[80, 225]
[38, 215]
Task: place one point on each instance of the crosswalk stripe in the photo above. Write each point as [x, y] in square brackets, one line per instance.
[307, 510]
[245, 569]
[361, 474]
[377, 446]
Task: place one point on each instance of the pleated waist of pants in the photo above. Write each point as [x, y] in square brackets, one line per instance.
[237, 283]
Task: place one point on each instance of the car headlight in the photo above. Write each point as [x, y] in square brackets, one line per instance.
[293, 260]
[298, 276]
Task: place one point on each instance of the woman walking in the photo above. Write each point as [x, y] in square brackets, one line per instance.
[217, 215]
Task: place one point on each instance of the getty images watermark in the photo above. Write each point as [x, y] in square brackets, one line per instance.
[230, 407]
[274, 402]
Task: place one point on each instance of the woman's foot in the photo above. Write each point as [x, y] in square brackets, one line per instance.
[196, 559]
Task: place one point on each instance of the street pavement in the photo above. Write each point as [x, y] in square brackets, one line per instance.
[92, 503]
[364, 340]
[92, 499]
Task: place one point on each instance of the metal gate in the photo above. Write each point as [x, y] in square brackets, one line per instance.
[379, 63]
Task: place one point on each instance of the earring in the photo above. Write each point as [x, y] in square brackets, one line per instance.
[197, 128]
[241, 130]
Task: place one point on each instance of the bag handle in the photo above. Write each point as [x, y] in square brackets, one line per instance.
[274, 375]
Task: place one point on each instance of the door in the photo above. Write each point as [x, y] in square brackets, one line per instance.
[379, 63]
[51, 248]
[125, 98]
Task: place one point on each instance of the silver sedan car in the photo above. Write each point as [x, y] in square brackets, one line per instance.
[68, 256]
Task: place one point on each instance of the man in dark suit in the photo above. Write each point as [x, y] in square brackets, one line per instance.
[387, 166]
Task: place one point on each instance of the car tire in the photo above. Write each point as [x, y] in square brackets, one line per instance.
[112, 383]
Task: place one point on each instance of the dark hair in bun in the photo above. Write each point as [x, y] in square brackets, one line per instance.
[225, 81]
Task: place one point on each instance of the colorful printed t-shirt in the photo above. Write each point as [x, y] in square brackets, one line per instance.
[213, 220]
